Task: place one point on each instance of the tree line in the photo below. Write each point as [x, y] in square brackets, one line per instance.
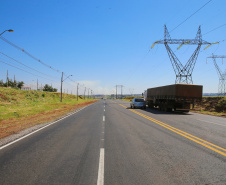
[19, 84]
[11, 83]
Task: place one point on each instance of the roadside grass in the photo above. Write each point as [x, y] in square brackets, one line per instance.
[215, 106]
[213, 113]
[22, 109]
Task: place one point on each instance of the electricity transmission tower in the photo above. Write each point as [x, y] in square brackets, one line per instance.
[221, 75]
[183, 73]
[121, 86]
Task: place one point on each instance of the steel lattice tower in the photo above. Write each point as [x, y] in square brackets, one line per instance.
[221, 75]
[183, 73]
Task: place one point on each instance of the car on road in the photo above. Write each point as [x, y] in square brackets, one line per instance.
[138, 103]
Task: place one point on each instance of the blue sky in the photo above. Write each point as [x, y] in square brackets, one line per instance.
[104, 43]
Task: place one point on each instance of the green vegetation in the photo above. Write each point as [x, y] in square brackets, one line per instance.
[21, 109]
[15, 103]
[11, 83]
[49, 88]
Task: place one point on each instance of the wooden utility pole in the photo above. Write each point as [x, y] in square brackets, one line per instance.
[14, 81]
[61, 86]
[116, 92]
[77, 90]
[7, 78]
[85, 93]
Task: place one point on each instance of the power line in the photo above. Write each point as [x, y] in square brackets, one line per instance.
[190, 16]
[24, 70]
[28, 54]
[214, 29]
[24, 64]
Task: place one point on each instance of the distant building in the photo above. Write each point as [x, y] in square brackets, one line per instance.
[28, 88]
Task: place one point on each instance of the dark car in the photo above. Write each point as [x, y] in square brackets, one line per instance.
[138, 103]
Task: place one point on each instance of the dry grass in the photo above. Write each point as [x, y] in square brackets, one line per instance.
[24, 109]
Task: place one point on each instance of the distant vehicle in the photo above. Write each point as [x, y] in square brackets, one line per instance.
[138, 103]
[176, 97]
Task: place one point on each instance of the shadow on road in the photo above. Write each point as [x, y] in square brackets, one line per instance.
[156, 111]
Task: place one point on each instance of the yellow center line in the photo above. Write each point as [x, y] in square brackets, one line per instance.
[182, 133]
[156, 121]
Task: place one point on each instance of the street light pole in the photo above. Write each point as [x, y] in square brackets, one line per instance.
[62, 84]
[77, 91]
[85, 93]
[10, 30]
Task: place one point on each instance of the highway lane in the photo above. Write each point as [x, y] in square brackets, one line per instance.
[140, 151]
[108, 143]
[64, 153]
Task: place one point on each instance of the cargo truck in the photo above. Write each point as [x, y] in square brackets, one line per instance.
[176, 97]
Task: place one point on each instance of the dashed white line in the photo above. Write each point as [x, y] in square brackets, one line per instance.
[100, 179]
[103, 118]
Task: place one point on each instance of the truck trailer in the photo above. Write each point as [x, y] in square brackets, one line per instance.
[176, 97]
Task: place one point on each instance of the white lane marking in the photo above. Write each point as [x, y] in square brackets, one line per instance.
[103, 118]
[211, 122]
[41, 128]
[104, 110]
[100, 179]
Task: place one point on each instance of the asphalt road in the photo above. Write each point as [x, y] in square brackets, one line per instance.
[109, 143]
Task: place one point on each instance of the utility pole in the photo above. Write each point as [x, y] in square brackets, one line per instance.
[7, 78]
[37, 84]
[14, 81]
[77, 90]
[88, 92]
[61, 86]
[85, 93]
[121, 86]
[121, 90]
[116, 92]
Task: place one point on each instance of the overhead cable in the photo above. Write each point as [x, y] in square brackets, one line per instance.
[191, 15]
[24, 70]
[24, 64]
[28, 54]
[215, 29]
